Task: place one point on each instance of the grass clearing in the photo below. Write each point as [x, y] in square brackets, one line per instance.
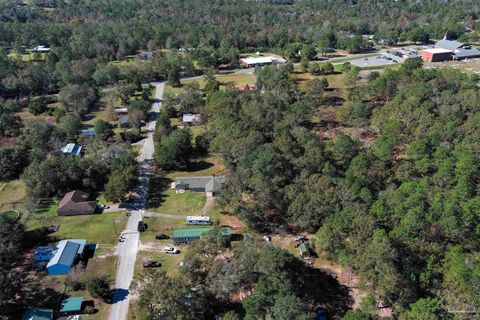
[187, 203]
[158, 225]
[99, 228]
[170, 262]
[227, 80]
[12, 195]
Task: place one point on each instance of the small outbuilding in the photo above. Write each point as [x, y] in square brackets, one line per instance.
[304, 250]
[72, 148]
[120, 110]
[145, 55]
[190, 118]
[41, 49]
[38, 314]
[90, 132]
[123, 122]
[68, 251]
[76, 203]
[73, 305]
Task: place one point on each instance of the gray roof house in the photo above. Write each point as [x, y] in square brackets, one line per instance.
[208, 184]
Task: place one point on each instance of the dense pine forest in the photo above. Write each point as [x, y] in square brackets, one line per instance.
[392, 192]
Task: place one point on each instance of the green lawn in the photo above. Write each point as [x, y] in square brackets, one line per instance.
[99, 228]
[188, 203]
[170, 262]
[225, 80]
[158, 225]
[12, 195]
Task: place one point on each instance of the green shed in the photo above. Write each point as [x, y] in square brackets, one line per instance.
[189, 235]
[72, 305]
[304, 250]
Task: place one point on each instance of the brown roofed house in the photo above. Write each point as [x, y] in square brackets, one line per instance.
[76, 203]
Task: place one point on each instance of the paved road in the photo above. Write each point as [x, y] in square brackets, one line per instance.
[127, 250]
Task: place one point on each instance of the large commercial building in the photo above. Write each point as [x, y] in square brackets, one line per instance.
[446, 50]
[436, 55]
[252, 62]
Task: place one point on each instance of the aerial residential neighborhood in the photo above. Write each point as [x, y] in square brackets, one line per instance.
[227, 160]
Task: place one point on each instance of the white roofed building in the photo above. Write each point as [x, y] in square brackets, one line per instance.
[251, 62]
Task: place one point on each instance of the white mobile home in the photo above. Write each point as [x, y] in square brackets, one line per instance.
[198, 220]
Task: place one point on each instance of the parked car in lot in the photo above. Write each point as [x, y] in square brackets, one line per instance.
[161, 236]
[121, 238]
[171, 250]
[151, 264]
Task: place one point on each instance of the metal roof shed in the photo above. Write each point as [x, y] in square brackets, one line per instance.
[189, 235]
[304, 250]
[72, 305]
[38, 314]
[68, 251]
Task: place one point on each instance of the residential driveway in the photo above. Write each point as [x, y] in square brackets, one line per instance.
[127, 250]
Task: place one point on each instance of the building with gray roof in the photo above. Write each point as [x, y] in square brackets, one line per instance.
[208, 184]
[459, 50]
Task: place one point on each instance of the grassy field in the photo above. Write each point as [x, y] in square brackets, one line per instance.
[100, 228]
[25, 57]
[188, 203]
[12, 195]
[336, 82]
[170, 262]
[225, 81]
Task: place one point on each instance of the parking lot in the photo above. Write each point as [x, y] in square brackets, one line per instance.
[383, 60]
[386, 57]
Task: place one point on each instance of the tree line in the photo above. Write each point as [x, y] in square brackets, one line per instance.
[402, 210]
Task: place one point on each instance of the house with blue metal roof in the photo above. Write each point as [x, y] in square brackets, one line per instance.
[38, 314]
[72, 148]
[66, 255]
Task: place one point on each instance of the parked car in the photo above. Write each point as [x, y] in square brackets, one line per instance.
[151, 264]
[141, 226]
[171, 250]
[161, 236]
[121, 238]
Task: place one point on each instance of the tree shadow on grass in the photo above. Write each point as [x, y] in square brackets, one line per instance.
[320, 288]
[118, 294]
[199, 165]
[156, 192]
